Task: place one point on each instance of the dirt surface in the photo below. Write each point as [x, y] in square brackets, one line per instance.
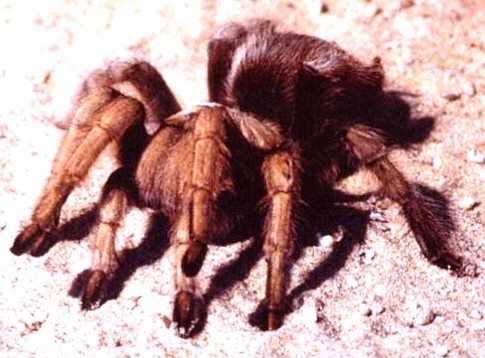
[376, 296]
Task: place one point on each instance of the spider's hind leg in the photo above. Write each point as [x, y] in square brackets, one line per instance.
[102, 117]
[117, 193]
[427, 214]
[110, 101]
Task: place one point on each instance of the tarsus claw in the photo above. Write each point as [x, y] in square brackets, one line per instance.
[188, 314]
[26, 239]
[94, 289]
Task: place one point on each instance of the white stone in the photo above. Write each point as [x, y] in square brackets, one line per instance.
[437, 162]
[418, 313]
[365, 310]
[475, 157]
[469, 89]
[441, 350]
[326, 241]
[467, 203]
[377, 308]
[369, 255]
[376, 216]
[475, 314]
[478, 326]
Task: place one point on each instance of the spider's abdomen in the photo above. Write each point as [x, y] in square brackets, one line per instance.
[299, 81]
[263, 76]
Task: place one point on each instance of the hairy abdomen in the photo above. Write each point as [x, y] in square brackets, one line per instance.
[300, 82]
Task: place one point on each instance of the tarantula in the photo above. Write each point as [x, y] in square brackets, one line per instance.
[289, 116]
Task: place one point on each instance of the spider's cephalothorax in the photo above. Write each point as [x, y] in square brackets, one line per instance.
[289, 116]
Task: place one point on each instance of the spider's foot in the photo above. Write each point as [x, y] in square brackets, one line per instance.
[94, 290]
[188, 314]
[456, 264]
[266, 319]
[274, 320]
[449, 261]
[32, 239]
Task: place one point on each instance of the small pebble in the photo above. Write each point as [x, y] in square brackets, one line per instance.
[324, 8]
[475, 314]
[167, 321]
[469, 89]
[467, 203]
[3, 131]
[424, 318]
[352, 282]
[376, 216]
[372, 10]
[475, 157]
[377, 308]
[369, 256]
[437, 162]
[452, 96]
[309, 312]
[441, 350]
[478, 326]
[439, 319]
[365, 310]
[405, 4]
[481, 174]
[419, 314]
[325, 241]
[320, 311]
[451, 326]
[380, 290]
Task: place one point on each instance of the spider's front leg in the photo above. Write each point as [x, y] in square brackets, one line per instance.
[281, 172]
[102, 116]
[186, 171]
[426, 212]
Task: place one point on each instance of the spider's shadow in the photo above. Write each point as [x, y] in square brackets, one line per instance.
[352, 221]
[395, 122]
[155, 243]
[73, 230]
[152, 247]
[394, 119]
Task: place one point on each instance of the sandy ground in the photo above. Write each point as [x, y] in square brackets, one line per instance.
[375, 297]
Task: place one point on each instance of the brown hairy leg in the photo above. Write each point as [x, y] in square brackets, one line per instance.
[209, 177]
[101, 118]
[183, 172]
[281, 175]
[210, 165]
[427, 216]
[187, 310]
[200, 163]
[111, 211]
